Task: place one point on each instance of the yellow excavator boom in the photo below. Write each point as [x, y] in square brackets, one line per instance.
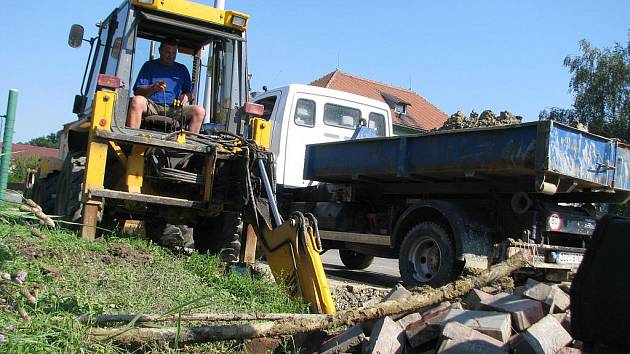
[293, 246]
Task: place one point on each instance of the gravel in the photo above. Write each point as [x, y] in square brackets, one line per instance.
[354, 296]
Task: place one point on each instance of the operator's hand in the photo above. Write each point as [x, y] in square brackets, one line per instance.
[183, 99]
[158, 86]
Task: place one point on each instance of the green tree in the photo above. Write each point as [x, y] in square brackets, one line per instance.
[49, 140]
[600, 81]
[20, 166]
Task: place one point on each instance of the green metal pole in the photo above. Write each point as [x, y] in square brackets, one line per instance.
[7, 142]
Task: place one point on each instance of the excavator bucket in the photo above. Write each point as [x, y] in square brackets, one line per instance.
[292, 247]
[293, 253]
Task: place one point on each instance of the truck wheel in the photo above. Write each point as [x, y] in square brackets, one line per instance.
[426, 256]
[169, 235]
[354, 260]
[44, 192]
[69, 205]
[220, 235]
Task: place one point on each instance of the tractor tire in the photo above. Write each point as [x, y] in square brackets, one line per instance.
[220, 235]
[45, 192]
[169, 235]
[69, 205]
[355, 261]
[427, 256]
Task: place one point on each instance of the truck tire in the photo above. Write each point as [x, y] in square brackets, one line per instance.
[355, 261]
[220, 235]
[600, 305]
[44, 192]
[169, 235]
[427, 256]
[69, 205]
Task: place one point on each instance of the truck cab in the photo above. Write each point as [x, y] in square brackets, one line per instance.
[303, 115]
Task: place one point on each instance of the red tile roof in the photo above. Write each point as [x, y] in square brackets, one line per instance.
[421, 114]
[19, 150]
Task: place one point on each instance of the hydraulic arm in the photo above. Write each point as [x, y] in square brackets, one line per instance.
[292, 247]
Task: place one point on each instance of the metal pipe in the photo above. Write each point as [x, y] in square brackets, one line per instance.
[207, 90]
[7, 142]
[152, 51]
[272, 198]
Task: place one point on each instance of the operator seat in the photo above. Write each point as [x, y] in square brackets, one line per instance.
[165, 124]
[160, 123]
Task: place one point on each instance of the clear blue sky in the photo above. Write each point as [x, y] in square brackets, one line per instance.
[460, 55]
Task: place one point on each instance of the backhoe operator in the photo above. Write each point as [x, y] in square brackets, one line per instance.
[159, 84]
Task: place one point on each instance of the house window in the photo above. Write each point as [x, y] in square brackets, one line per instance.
[305, 113]
[400, 108]
[341, 116]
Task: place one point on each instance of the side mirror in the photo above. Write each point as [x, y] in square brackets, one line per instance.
[116, 48]
[75, 38]
[79, 104]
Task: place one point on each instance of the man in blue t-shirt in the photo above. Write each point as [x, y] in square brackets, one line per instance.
[159, 83]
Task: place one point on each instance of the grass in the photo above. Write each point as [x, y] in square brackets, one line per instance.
[116, 274]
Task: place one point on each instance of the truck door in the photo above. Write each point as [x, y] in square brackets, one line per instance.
[315, 119]
[270, 102]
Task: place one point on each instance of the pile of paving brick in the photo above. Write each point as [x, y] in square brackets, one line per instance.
[535, 318]
[487, 118]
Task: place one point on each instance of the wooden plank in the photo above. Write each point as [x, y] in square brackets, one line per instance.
[248, 255]
[146, 198]
[90, 218]
[370, 239]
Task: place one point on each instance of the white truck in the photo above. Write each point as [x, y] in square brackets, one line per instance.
[303, 115]
[440, 201]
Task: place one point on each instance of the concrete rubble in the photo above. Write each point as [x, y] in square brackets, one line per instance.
[533, 319]
[487, 118]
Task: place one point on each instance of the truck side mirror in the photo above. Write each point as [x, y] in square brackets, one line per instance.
[75, 38]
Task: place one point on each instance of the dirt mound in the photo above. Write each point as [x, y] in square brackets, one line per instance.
[126, 253]
[29, 249]
[487, 118]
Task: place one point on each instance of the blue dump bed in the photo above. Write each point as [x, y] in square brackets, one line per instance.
[512, 158]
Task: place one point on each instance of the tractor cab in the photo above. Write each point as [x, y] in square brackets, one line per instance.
[160, 172]
[129, 37]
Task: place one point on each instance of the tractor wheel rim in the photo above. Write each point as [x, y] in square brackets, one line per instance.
[426, 258]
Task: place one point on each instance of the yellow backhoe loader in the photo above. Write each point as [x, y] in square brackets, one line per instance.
[200, 189]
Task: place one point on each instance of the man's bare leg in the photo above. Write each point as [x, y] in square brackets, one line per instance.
[137, 107]
[195, 114]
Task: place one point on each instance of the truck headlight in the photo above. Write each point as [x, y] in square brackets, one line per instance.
[239, 21]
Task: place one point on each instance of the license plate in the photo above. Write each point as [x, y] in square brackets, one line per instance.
[568, 258]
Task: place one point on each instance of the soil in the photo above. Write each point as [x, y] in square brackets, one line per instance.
[125, 253]
[30, 250]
